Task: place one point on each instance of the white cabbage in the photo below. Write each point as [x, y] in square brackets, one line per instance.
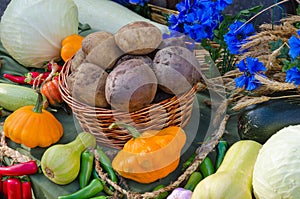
[276, 172]
[32, 30]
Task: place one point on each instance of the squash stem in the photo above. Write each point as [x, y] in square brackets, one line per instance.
[131, 129]
[39, 103]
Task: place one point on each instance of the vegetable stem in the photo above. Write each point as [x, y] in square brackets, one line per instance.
[130, 128]
[39, 103]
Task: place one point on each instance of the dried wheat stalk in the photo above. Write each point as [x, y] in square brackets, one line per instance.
[247, 101]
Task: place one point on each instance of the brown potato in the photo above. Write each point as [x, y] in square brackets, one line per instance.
[138, 38]
[77, 60]
[105, 54]
[89, 85]
[176, 69]
[94, 39]
[130, 86]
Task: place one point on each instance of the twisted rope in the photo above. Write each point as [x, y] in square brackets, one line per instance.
[5, 150]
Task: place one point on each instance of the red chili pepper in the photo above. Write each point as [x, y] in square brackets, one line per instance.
[59, 68]
[26, 190]
[20, 169]
[14, 188]
[32, 76]
[56, 77]
[4, 113]
[1, 185]
[15, 78]
[4, 188]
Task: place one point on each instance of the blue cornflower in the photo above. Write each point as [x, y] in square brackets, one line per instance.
[237, 36]
[138, 2]
[134, 2]
[222, 4]
[249, 68]
[293, 76]
[122, 2]
[294, 43]
[198, 18]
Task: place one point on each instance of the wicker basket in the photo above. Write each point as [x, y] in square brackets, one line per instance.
[172, 111]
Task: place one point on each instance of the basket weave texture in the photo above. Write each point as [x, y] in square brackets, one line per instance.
[173, 111]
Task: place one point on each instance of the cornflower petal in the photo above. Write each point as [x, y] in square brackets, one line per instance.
[242, 66]
[252, 83]
[293, 76]
[255, 66]
[240, 81]
[294, 43]
[222, 4]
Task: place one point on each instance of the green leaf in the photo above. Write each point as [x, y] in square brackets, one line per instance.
[255, 9]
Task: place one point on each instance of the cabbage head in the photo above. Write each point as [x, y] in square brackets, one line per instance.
[276, 172]
[32, 30]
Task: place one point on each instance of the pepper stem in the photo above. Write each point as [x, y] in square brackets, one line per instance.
[39, 103]
[131, 129]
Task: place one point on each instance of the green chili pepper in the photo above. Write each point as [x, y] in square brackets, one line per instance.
[187, 163]
[193, 180]
[86, 168]
[106, 189]
[99, 197]
[222, 148]
[91, 190]
[207, 167]
[162, 195]
[106, 164]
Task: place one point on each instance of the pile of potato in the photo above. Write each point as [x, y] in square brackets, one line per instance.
[132, 68]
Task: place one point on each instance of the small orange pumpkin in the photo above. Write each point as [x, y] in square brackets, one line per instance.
[33, 126]
[151, 155]
[51, 91]
[70, 45]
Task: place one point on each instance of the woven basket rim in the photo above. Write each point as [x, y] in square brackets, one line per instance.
[63, 86]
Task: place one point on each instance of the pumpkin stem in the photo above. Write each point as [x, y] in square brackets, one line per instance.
[39, 103]
[131, 129]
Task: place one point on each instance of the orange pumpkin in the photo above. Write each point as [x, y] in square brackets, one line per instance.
[51, 91]
[33, 126]
[70, 45]
[151, 155]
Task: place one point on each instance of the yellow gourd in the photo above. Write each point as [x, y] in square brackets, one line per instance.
[33, 126]
[233, 179]
[151, 155]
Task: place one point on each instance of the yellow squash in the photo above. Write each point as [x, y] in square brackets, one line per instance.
[233, 179]
[70, 45]
[33, 126]
[151, 155]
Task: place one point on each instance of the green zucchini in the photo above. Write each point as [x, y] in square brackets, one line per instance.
[261, 121]
[14, 96]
